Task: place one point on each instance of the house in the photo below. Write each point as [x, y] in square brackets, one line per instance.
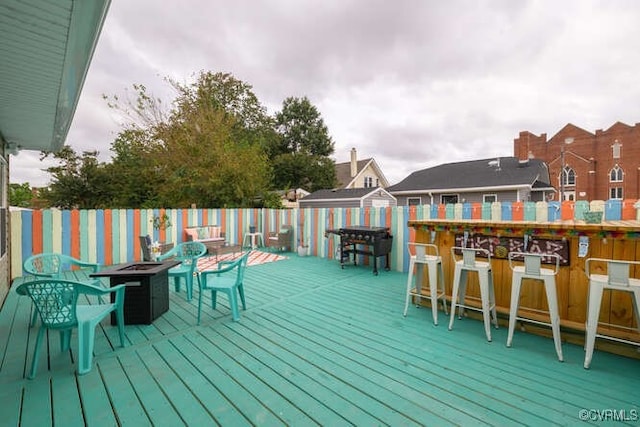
[47, 48]
[585, 165]
[360, 173]
[487, 180]
[348, 198]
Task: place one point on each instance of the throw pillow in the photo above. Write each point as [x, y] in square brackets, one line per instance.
[203, 233]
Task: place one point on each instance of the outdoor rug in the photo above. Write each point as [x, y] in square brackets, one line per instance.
[255, 258]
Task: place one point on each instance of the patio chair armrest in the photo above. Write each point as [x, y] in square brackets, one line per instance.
[171, 253]
[92, 265]
[230, 266]
[71, 261]
[91, 289]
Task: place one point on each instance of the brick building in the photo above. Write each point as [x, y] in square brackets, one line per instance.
[600, 166]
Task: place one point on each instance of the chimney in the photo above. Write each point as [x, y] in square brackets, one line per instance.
[354, 163]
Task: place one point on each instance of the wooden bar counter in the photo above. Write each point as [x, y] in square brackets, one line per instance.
[610, 240]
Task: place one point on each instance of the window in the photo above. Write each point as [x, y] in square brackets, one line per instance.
[489, 198]
[414, 201]
[616, 174]
[568, 176]
[615, 193]
[368, 182]
[449, 198]
[616, 149]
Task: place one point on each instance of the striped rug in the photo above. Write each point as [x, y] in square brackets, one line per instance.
[255, 258]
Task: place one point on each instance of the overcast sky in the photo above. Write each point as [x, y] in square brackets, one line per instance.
[411, 83]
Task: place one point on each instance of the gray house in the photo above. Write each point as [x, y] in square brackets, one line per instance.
[487, 180]
[348, 198]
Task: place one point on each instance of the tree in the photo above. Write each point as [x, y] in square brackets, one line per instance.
[135, 178]
[20, 195]
[79, 181]
[208, 150]
[300, 155]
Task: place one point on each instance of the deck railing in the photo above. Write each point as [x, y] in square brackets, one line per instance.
[110, 236]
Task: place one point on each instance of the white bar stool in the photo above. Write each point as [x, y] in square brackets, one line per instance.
[617, 279]
[425, 254]
[485, 277]
[532, 270]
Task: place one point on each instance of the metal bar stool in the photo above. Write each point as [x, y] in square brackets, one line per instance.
[485, 277]
[532, 270]
[425, 254]
[617, 279]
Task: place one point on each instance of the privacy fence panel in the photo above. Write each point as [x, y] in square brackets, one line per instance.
[111, 236]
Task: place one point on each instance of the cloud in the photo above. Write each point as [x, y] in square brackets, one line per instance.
[411, 83]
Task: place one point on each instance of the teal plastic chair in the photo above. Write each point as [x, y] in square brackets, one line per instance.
[54, 265]
[228, 278]
[56, 303]
[187, 253]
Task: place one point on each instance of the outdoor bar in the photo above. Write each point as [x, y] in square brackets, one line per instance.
[575, 241]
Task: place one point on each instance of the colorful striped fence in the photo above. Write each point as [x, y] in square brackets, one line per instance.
[111, 236]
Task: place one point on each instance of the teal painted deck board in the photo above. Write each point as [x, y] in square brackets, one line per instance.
[202, 388]
[423, 373]
[11, 403]
[294, 384]
[36, 405]
[17, 347]
[341, 382]
[158, 389]
[95, 399]
[67, 407]
[427, 407]
[225, 374]
[303, 373]
[317, 345]
[129, 410]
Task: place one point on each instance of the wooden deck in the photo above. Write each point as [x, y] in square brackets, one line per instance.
[317, 345]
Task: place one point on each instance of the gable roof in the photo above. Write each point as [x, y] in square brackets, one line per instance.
[492, 173]
[343, 172]
[343, 194]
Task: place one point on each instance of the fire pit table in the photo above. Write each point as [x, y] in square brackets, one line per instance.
[147, 289]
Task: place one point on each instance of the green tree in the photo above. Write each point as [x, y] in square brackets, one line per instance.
[208, 150]
[135, 178]
[20, 195]
[300, 155]
[79, 181]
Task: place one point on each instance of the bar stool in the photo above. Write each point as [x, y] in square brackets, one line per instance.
[617, 279]
[433, 261]
[485, 277]
[532, 270]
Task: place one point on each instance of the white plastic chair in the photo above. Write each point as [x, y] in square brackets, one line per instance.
[617, 279]
[532, 270]
[425, 254]
[463, 266]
